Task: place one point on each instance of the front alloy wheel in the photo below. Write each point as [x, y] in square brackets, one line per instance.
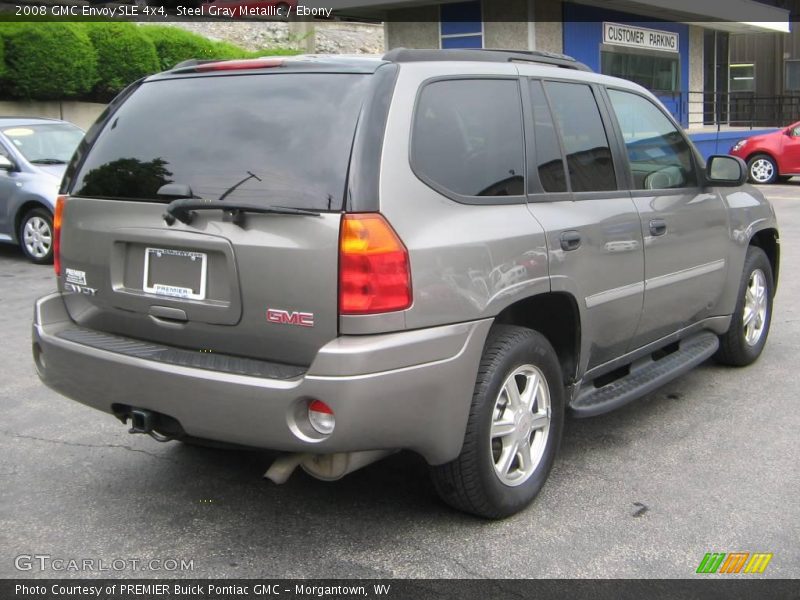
[36, 236]
[754, 318]
[744, 341]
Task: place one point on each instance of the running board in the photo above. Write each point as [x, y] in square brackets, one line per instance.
[645, 376]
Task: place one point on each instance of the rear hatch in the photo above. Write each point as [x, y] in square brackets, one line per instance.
[238, 281]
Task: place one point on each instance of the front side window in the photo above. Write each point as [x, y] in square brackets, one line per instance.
[659, 155]
[467, 137]
[591, 168]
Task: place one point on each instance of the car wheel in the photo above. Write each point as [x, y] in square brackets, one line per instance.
[36, 236]
[514, 427]
[745, 339]
[762, 169]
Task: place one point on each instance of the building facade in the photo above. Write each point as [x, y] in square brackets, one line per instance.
[681, 52]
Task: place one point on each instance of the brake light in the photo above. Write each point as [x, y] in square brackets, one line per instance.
[374, 273]
[57, 218]
[236, 65]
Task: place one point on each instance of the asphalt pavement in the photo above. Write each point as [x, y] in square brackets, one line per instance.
[707, 463]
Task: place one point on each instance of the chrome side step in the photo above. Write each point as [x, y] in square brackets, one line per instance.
[645, 375]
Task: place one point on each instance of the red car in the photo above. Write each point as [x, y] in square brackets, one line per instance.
[773, 156]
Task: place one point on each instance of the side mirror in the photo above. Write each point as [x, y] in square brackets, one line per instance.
[6, 164]
[726, 171]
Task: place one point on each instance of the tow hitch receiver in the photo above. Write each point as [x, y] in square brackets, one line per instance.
[150, 423]
[141, 421]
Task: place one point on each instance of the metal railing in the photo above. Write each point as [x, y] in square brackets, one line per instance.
[733, 109]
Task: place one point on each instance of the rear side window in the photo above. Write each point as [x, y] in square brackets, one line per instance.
[589, 161]
[468, 139]
[278, 139]
[659, 155]
[549, 160]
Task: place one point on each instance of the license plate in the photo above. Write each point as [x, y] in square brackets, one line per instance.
[175, 273]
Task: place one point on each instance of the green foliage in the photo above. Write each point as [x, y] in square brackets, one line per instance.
[174, 45]
[47, 61]
[58, 61]
[124, 54]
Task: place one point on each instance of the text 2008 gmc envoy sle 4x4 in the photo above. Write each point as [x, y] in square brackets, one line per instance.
[439, 251]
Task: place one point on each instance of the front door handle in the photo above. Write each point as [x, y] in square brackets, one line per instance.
[570, 240]
[658, 227]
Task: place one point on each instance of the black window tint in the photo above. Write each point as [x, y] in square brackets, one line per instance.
[549, 159]
[277, 139]
[468, 137]
[659, 155]
[589, 161]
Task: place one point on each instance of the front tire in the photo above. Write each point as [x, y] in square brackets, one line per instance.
[762, 169]
[745, 340]
[514, 427]
[36, 236]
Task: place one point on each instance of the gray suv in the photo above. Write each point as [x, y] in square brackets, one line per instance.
[436, 251]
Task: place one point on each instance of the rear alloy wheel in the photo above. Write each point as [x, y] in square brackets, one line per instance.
[514, 427]
[745, 339]
[762, 169]
[36, 236]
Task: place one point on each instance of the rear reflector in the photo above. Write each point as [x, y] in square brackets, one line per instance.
[374, 274]
[57, 218]
[237, 65]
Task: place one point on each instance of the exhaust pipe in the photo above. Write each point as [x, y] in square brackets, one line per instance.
[326, 467]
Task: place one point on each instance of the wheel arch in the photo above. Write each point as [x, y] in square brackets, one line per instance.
[769, 241]
[24, 209]
[556, 316]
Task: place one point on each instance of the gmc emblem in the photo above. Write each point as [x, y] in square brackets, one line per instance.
[284, 317]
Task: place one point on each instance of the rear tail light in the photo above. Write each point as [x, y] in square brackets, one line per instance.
[320, 415]
[374, 273]
[57, 218]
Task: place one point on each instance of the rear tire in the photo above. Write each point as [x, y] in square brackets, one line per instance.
[762, 169]
[36, 236]
[747, 335]
[512, 437]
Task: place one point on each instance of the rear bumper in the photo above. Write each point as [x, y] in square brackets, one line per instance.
[409, 390]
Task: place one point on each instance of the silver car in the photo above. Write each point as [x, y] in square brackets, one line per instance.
[437, 251]
[33, 156]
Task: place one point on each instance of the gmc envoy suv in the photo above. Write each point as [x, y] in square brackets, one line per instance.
[436, 251]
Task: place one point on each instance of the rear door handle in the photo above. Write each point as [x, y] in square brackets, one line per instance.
[570, 240]
[658, 227]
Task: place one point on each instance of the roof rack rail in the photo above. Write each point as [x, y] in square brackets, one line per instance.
[401, 55]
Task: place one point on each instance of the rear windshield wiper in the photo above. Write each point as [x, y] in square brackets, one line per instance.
[183, 210]
[48, 161]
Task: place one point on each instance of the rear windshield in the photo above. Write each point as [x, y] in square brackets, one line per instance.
[279, 139]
